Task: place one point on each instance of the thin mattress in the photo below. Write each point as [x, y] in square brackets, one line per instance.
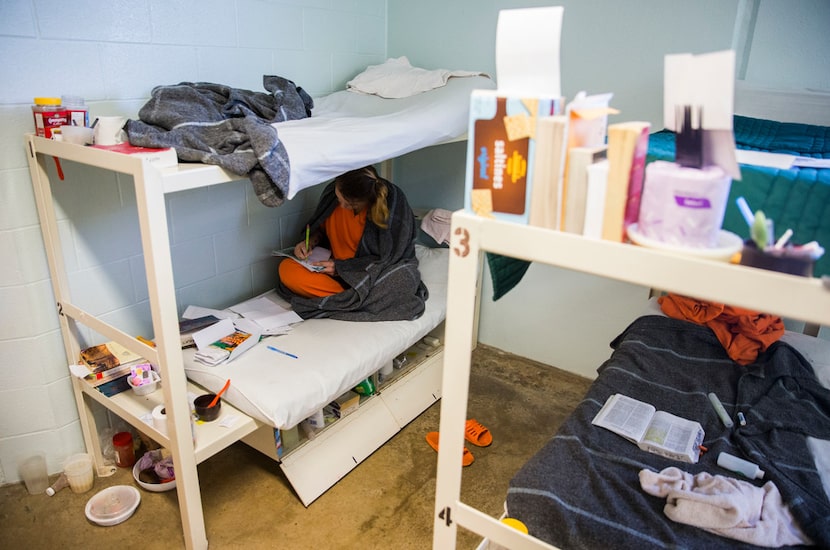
[332, 356]
[349, 130]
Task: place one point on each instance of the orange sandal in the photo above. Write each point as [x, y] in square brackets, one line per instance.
[477, 434]
[466, 459]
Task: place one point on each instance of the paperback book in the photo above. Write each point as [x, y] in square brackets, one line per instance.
[651, 430]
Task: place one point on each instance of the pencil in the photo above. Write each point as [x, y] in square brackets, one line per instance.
[307, 230]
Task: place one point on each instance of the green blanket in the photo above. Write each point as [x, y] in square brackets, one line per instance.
[797, 198]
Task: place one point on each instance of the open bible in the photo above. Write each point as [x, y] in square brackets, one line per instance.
[654, 431]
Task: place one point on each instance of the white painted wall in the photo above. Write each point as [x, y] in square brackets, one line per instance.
[113, 53]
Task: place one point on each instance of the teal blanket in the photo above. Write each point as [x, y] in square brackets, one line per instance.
[796, 198]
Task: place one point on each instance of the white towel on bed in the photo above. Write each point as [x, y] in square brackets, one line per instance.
[725, 506]
[396, 78]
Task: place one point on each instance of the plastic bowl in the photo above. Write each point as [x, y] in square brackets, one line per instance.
[205, 413]
[113, 505]
[148, 387]
[152, 487]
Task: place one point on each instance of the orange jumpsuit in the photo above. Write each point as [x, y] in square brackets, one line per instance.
[344, 230]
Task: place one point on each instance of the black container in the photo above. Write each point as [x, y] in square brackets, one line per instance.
[776, 261]
[205, 413]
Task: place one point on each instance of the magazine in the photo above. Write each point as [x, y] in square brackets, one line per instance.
[318, 254]
[654, 431]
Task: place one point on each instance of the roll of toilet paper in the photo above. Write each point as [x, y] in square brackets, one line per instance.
[160, 419]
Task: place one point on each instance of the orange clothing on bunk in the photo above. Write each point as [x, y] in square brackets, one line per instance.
[743, 333]
[344, 230]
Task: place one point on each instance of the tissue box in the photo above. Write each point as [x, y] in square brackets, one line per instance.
[502, 141]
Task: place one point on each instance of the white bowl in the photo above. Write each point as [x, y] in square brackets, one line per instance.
[113, 505]
[153, 487]
[147, 388]
[727, 246]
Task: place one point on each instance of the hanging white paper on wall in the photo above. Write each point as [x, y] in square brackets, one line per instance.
[527, 51]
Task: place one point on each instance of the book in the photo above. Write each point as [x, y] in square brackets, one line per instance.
[501, 152]
[596, 184]
[579, 158]
[318, 254]
[627, 149]
[104, 357]
[549, 162]
[158, 157]
[187, 327]
[651, 430]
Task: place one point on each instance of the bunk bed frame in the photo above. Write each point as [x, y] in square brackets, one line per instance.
[789, 296]
[315, 465]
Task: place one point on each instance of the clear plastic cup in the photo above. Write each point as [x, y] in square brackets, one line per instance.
[79, 472]
[34, 473]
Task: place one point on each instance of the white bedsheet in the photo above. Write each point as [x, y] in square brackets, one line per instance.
[349, 130]
[333, 356]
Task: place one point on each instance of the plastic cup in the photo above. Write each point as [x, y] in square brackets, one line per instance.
[79, 472]
[35, 476]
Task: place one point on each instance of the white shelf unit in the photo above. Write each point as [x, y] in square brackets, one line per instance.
[775, 293]
[151, 186]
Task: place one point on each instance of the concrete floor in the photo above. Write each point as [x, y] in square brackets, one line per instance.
[386, 502]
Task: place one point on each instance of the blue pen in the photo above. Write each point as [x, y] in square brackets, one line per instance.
[272, 348]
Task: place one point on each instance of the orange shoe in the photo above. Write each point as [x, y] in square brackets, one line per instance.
[477, 434]
[466, 459]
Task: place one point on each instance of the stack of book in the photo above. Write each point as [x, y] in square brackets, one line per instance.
[108, 365]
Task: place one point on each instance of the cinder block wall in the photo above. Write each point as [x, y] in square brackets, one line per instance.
[112, 54]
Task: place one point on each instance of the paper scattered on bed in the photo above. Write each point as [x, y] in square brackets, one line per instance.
[194, 312]
[225, 340]
[272, 318]
[527, 51]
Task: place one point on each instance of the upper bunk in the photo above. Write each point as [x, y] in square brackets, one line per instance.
[347, 129]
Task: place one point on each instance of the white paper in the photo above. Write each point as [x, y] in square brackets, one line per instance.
[194, 312]
[527, 51]
[205, 337]
[706, 81]
[270, 316]
[762, 158]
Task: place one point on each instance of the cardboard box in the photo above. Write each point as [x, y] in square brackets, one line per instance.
[500, 152]
[345, 405]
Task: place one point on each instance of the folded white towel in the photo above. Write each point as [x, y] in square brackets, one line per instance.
[725, 506]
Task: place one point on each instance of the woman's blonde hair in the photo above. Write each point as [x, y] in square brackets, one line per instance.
[365, 185]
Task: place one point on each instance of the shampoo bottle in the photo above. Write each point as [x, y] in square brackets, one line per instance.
[739, 465]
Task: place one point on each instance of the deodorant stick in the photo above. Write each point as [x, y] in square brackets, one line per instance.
[739, 465]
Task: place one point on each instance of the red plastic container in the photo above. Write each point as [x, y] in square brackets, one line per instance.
[122, 442]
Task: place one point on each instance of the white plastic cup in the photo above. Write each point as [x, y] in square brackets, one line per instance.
[34, 473]
[108, 130]
[79, 135]
[79, 472]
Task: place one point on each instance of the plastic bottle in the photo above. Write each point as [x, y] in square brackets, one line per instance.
[122, 442]
[59, 484]
[49, 114]
[739, 465]
[77, 109]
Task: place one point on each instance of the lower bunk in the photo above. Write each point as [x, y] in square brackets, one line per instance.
[290, 396]
[591, 488]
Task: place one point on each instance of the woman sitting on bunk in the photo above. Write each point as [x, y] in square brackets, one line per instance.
[373, 274]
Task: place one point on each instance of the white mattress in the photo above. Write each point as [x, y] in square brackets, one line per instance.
[333, 356]
[349, 130]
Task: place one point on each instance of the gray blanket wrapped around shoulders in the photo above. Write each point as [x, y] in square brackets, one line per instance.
[228, 127]
[384, 283]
